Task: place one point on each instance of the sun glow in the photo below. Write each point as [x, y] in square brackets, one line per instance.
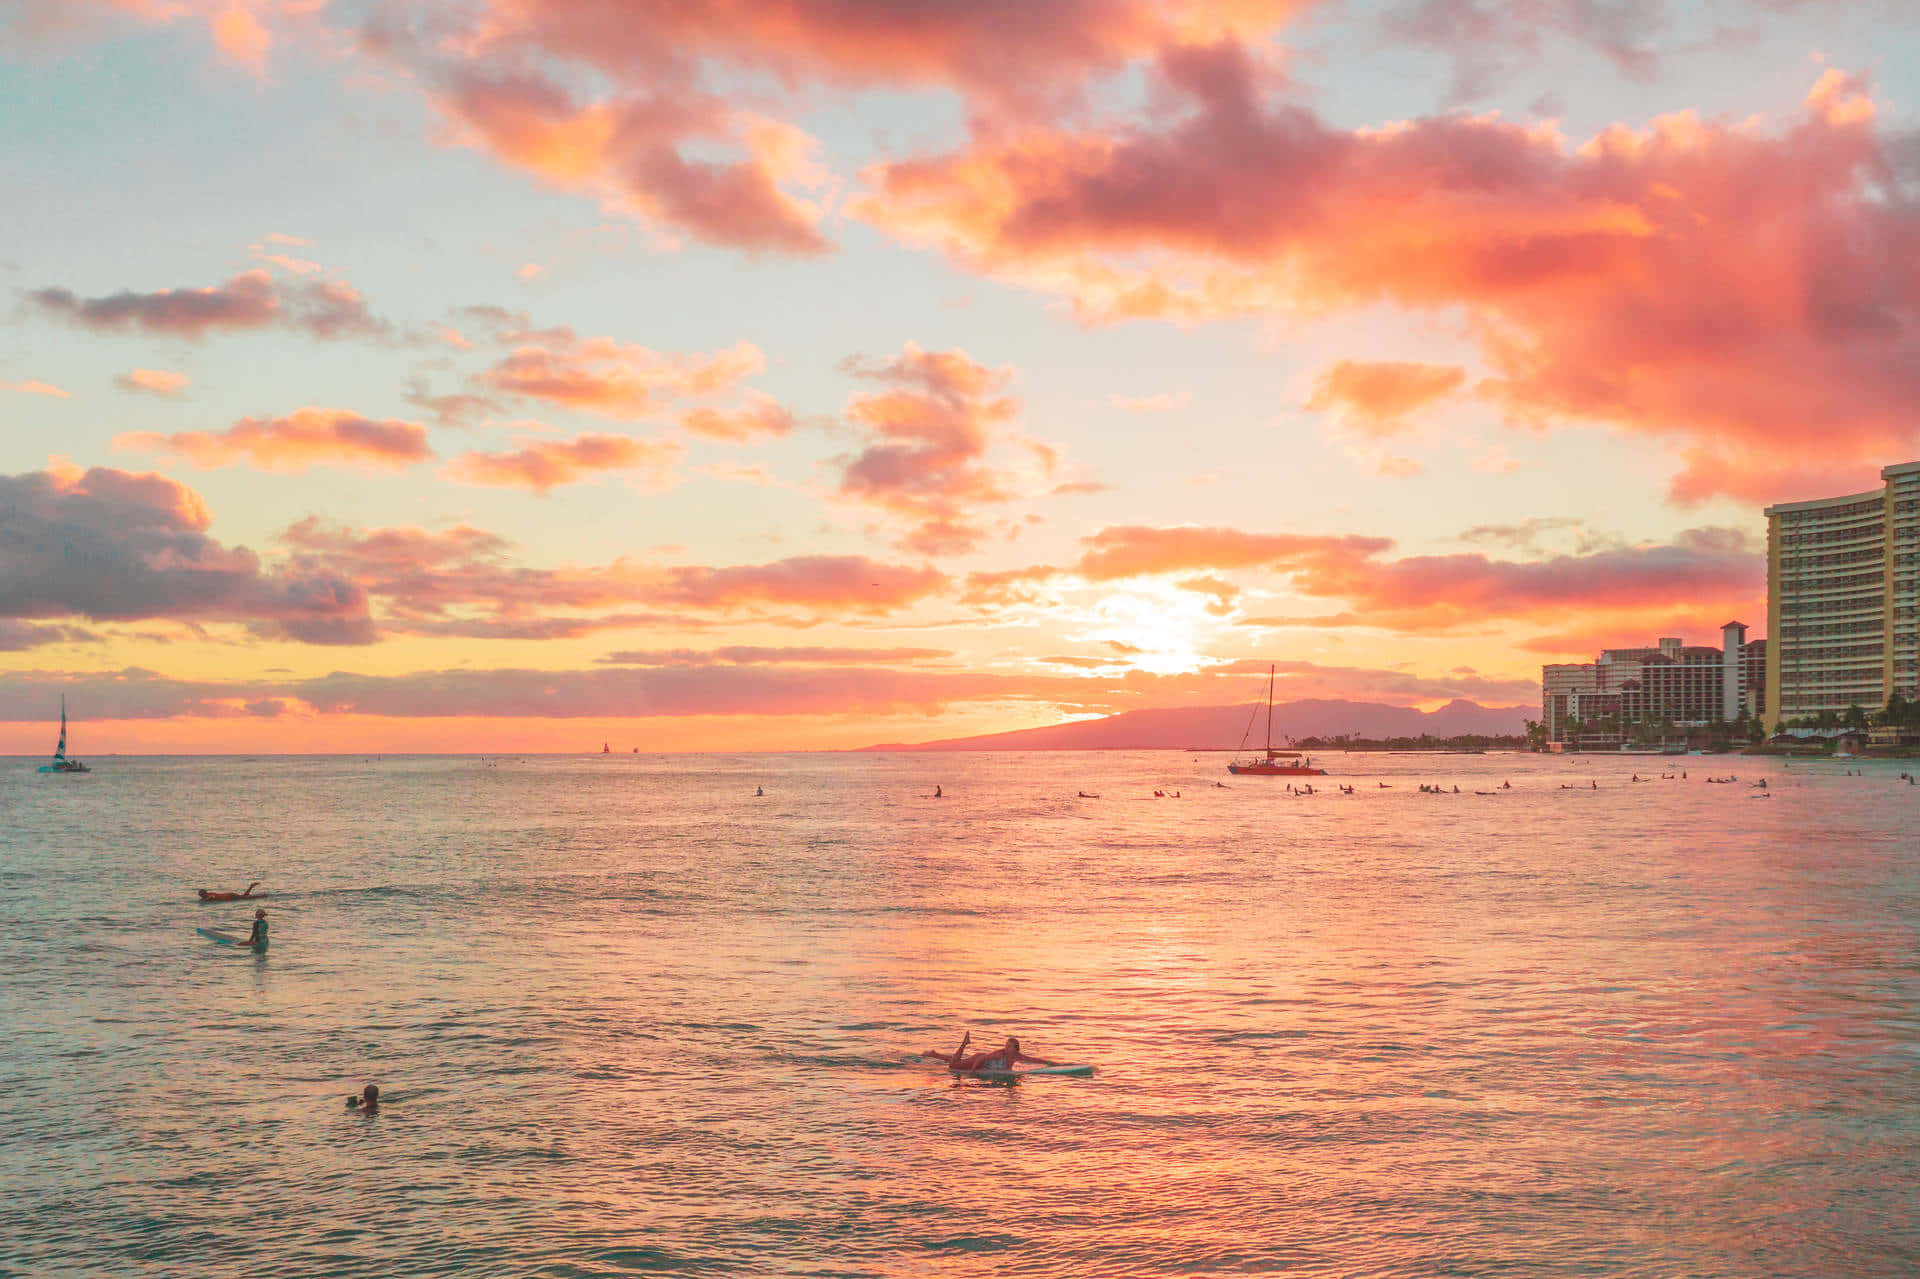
[1158, 627]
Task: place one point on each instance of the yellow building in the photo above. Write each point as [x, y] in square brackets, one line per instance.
[1843, 600]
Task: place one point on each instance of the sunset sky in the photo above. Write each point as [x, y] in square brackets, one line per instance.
[496, 375]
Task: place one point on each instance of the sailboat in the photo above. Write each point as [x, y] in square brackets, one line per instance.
[60, 762]
[1270, 762]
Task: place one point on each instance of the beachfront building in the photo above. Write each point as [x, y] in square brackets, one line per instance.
[1843, 600]
[1598, 705]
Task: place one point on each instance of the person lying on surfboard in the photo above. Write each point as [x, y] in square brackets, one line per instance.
[1004, 1057]
[209, 895]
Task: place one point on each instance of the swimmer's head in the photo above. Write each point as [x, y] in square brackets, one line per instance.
[370, 1094]
[1013, 1046]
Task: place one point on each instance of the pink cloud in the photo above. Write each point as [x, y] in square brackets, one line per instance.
[931, 435]
[543, 465]
[306, 437]
[250, 300]
[110, 545]
[1713, 284]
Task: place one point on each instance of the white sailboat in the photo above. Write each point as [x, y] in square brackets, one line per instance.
[60, 762]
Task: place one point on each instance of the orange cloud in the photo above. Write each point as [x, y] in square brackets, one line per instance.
[1700, 281]
[1375, 398]
[543, 465]
[610, 378]
[1134, 551]
[35, 387]
[161, 382]
[762, 417]
[306, 437]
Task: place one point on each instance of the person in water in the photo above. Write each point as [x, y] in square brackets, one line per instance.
[209, 895]
[1004, 1057]
[937, 794]
[257, 939]
[368, 1102]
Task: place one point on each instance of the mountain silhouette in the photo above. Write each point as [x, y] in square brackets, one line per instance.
[1222, 727]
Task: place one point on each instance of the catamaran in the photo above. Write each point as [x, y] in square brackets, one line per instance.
[60, 762]
[1270, 762]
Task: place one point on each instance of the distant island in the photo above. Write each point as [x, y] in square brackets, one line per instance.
[1317, 724]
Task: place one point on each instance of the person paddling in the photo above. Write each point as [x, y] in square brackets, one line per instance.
[1002, 1058]
[209, 895]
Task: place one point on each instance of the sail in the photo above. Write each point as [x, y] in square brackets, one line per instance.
[60, 751]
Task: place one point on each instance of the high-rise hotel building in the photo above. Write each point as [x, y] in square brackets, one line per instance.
[1843, 600]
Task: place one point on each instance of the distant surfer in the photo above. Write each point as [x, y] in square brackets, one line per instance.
[1005, 1057]
[759, 793]
[368, 1102]
[257, 939]
[209, 895]
[937, 793]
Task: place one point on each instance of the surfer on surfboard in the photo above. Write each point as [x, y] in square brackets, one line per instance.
[1004, 1057]
[209, 895]
[257, 939]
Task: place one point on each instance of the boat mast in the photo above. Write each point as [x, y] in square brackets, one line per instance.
[1269, 712]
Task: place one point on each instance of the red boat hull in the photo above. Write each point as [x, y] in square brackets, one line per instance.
[1275, 770]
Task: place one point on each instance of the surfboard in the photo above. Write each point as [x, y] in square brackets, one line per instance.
[219, 938]
[1073, 1072]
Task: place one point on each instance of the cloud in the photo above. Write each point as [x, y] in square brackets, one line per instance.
[306, 437]
[18, 637]
[540, 466]
[611, 378]
[763, 690]
[762, 417]
[243, 31]
[34, 387]
[644, 152]
[160, 382]
[1136, 550]
[251, 300]
[937, 439]
[1374, 398]
[1164, 402]
[750, 655]
[1713, 284]
[110, 545]
[426, 579]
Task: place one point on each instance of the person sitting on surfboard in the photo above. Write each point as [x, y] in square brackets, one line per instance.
[208, 895]
[1005, 1057]
[257, 939]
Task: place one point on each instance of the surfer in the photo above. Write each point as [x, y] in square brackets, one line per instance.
[257, 939]
[937, 793]
[209, 895]
[1004, 1057]
[368, 1102]
[759, 793]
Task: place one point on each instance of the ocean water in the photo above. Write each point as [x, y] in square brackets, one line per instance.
[629, 1019]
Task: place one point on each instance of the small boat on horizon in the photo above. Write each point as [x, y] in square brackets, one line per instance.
[60, 763]
[1270, 762]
